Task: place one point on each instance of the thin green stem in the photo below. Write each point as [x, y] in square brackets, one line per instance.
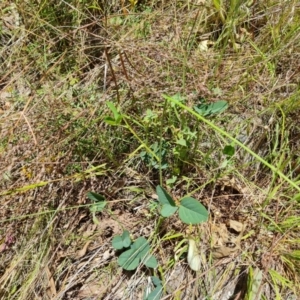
[226, 134]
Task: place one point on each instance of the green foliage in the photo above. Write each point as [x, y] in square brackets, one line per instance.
[98, 206]
[99, 202]
[150, 157]
[254, 282]
[168, 205]
[139, 252]
[229, 150]
[157, 292]
[117, 117]
[207, 109]
[121, 241]
[190, 210]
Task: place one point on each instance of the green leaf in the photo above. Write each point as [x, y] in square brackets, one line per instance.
[212, 108]
[128, 260]
[172, 180]
[229, 150]
[155, 294]
[192, 212]
[177, 97]
[139, 250]
[254, 282]
[218, 107]
[163, 196]
[99, 202]
[116, 120]
[117, 242]
[156, 281]
[142, 245]
[150, 262]
[121, 241]
[95, 197]
[126, 238]
[168, 210]
[181, 142]
[114, 110]
[110, 121]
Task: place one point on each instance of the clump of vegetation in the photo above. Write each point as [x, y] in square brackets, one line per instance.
[117, 115]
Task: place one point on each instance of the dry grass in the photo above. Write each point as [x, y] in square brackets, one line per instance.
[62, 62]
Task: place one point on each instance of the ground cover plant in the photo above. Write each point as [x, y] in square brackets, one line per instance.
[149, 149]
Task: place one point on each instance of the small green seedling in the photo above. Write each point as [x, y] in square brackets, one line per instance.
[117, 117]
[157, 292]
[139, 252]
[98, 206]
[190, 210]
[151, 161]
[229, 151]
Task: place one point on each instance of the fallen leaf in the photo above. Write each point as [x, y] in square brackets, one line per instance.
[83, 251]
[51, 290]
[237, 226]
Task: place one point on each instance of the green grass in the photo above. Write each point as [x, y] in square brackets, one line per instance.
[100, 97]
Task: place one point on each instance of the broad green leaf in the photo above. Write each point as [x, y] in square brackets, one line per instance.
[163, 196]
[139, 250]
[181, 142]
[192, 212]
[128, 260]
[155, 294]
[201, 109]
[117, 242]
[121, 241]
[98, 207]
[177, 97]
[156, 281]
[168, 210]
[150, 262]
[99, 202]
[126, 238]
[205, 109]
[218, 107]
[142, 246]
[95, 197]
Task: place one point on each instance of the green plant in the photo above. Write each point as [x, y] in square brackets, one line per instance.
[117, 117]
[156, 293]
[98, 206]
[234, 140]
[190, 210]
[207, 109]
[138, 252]
[151, 160]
